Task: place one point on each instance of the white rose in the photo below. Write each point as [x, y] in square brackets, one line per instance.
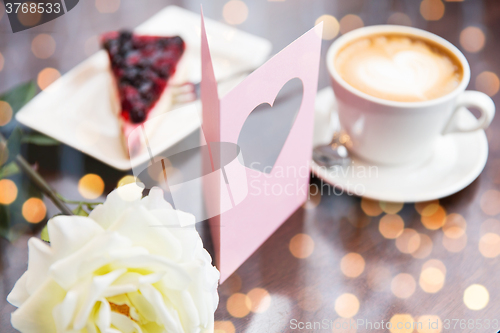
[133, 265]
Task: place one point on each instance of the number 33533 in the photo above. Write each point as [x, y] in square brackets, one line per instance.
[33, 8]
[470, 324]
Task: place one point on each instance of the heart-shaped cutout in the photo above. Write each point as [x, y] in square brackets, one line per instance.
[266, 129]
[404, 73]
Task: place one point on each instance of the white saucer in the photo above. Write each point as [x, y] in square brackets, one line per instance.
[79, 111]
[457, 161]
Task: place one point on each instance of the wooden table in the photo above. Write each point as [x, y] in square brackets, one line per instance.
[335, 258]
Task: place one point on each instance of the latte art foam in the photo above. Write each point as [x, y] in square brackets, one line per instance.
[399, 68]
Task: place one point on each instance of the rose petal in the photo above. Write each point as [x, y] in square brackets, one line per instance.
[176, 276]
[35, 315]
[90, 257]
[64, 312]
[39, 261]
[146, 231]
[191, 317]
[116, 203]
[123, 323]
[19, 293]
[119, 290]
[97, 287]
[142, 306]
[156, 200]
[168, 317]
[69, 233]
[104, 316]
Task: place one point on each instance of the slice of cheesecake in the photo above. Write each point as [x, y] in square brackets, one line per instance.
[142, 67]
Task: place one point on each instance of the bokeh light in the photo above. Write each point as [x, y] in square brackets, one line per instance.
[490, 225]
[407, 323]
[260, 300]
[490, 202]
[43, 46]
[472, 39]
[352, 265]
[238, 305]
[378, 278]
[350, 22]
[435, 263]
[5, 113]
[488, 82]
[489, 245]
[91, 186]
[432, 319]
[429, 210]
[454, 226]
[301, 246]
[431, 279]
[8, 191]
[432, 10]
[47, 76]
[224, 326]
[433, 217]
[331, 26]
[309, 299]
[476, 297]
[107, 6]
[399, 19]
[347, 305]
[455, 245]
[128, 179]
[370, 207]
[2, 61]
[235, 12]
[420, 206]
[425, 247]
[391, 226]
[409, 241]
[29, 19]
[403, 285]
[34, 210]
[391, 207]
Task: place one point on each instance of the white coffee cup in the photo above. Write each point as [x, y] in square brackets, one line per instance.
[391, 132]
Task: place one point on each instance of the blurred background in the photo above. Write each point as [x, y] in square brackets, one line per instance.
[45, 52]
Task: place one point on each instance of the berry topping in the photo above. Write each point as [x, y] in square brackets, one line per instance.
[142, 66]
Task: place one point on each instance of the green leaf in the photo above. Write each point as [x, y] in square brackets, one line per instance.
[39, 139]
[9, 170]
[45, 234]
[80, 211]
[18, 96]
[13, 146]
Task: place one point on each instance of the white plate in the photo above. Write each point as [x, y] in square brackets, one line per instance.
[458, 160]
[79, 108]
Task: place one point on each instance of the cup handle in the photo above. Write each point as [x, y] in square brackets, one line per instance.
[475, 99]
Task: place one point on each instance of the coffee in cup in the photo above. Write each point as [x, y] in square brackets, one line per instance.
[398, 90]
[399, 67]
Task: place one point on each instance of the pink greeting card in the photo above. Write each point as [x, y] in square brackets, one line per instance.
[248, 218]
